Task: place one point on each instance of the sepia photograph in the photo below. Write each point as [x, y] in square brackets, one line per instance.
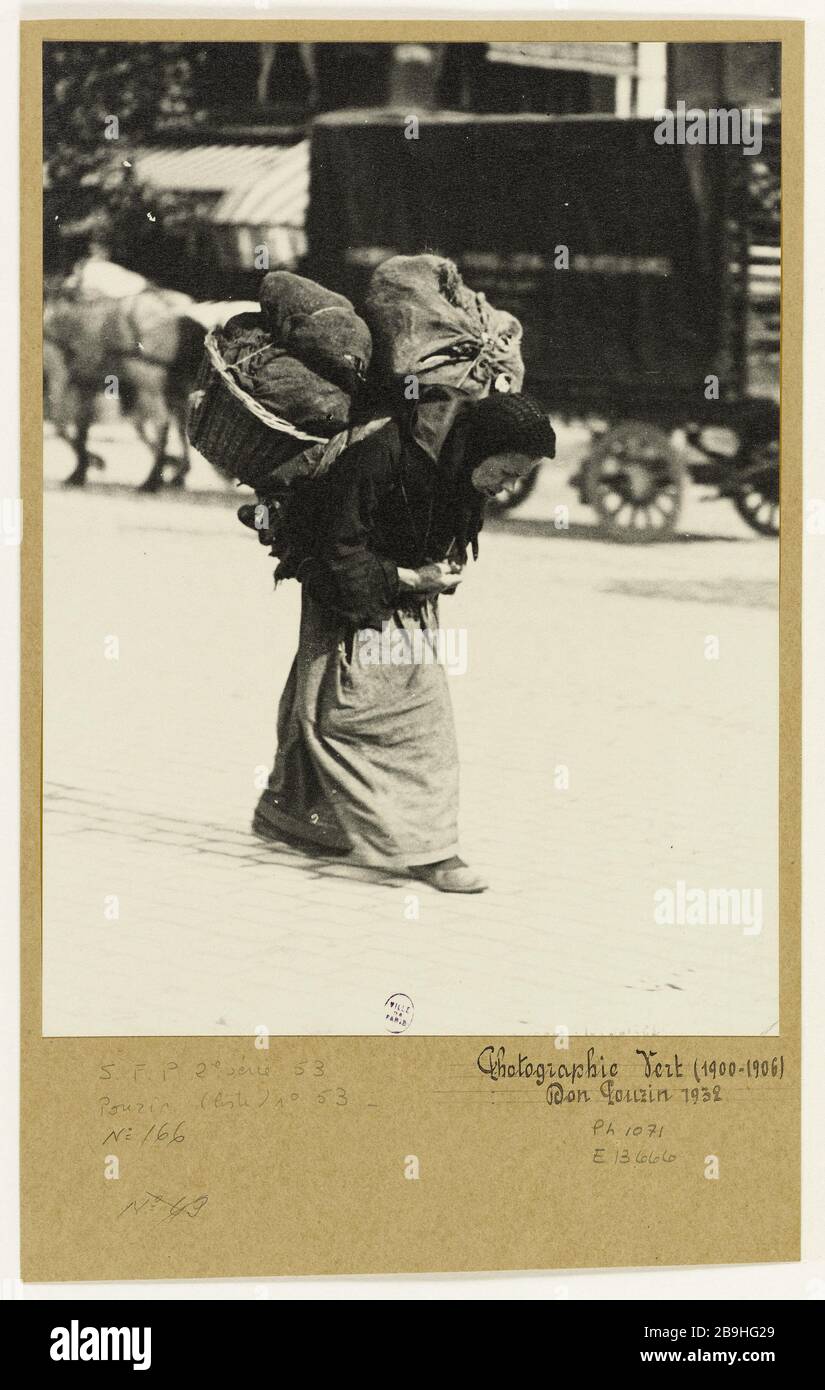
[411, 538]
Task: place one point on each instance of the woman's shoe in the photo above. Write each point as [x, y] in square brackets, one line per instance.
[449, 876]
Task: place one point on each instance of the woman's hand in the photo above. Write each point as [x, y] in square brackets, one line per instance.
[440, 577]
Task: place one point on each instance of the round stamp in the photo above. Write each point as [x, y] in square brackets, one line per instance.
[398, 1013]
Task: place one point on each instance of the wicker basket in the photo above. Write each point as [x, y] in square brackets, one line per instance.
[239, 436]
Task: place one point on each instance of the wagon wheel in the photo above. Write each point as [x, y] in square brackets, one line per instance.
[633, 478]
[757, 498]
[519, 491]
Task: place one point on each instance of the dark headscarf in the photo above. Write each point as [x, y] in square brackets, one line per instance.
[459, 431]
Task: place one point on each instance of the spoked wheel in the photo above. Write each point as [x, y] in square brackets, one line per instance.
[634, 480]
[517, 493]
[757, 497]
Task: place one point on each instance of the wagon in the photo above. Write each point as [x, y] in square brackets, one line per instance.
[646, 276]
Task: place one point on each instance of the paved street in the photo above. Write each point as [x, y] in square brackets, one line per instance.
[604, 757]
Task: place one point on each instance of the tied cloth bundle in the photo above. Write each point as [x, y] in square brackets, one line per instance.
[317, 326]
[427, 323]
[280, 382]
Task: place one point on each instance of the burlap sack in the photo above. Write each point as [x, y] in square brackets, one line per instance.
[425, 322]
[318, 327]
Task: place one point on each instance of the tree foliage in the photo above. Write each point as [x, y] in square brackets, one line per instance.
[90, 184]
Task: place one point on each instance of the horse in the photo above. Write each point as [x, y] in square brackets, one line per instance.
[144, 347]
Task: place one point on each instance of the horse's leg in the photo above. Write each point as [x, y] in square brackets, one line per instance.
[142, 432]
[149, 405]
[183, 463]
[163, 391]
[154, 482]
[178, 382]
[85, 415]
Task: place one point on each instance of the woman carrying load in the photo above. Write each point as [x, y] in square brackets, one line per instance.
[367, 764]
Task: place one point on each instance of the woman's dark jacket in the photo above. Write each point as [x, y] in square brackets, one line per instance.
[387, 501]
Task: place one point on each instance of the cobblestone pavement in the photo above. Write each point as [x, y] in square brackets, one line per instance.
[164, 915]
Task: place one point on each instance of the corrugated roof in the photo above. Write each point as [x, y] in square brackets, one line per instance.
[207, 168]
[278, 198]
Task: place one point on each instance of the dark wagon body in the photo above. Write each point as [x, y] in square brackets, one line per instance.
[626, 260]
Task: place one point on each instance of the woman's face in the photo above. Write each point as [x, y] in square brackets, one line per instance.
[500, 472]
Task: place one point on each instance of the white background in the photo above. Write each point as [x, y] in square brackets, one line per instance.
[796, 1282]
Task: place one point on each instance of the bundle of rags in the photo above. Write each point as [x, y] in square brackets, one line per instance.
[428, 325]
[305, 358]
[279, 385]
[279, 380]
[318, 327]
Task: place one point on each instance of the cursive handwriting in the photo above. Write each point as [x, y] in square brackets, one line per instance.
[153, 1204]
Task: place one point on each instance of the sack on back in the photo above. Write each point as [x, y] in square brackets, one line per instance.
[318, 327]
[426, 323]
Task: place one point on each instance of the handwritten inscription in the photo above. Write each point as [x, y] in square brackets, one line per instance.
[153, 1106]
[155, 1135]
[657, 1078]
[619, 1144]
[151, 1206]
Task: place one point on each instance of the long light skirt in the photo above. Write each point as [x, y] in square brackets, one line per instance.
[367, 762]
